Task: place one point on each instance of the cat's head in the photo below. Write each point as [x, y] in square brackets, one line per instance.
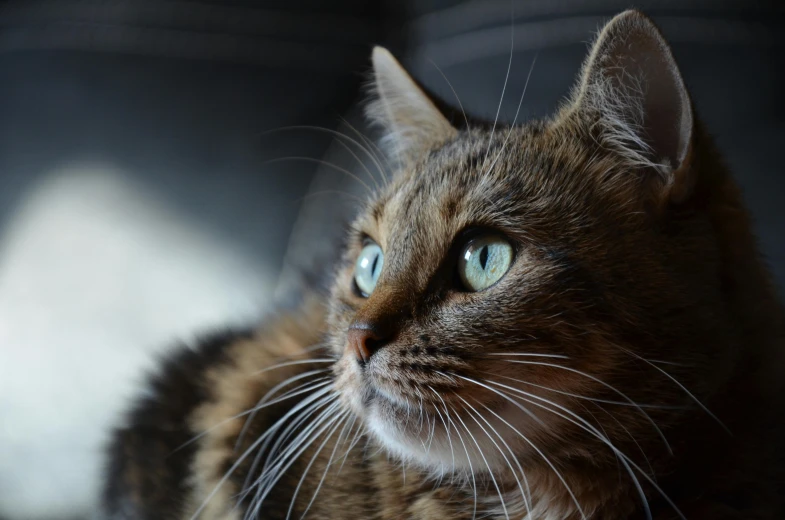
[510, 283]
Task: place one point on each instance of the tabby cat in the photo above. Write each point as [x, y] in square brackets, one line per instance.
[567, 319]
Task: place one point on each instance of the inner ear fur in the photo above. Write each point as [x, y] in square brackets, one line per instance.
[632, 88]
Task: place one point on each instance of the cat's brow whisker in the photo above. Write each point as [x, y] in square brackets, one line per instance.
[322, 162]
[374, 152]
[340, 137]
[506, 78]
[515, 119]
[454, 93]
[320, 193]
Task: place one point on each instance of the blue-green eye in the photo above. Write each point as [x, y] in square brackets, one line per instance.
[484, 261]
[368, 267]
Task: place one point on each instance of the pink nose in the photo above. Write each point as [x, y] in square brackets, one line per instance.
[364, 339]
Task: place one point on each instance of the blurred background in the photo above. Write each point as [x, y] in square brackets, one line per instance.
[157, 179]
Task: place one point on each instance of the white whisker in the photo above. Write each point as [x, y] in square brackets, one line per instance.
[322, 162]
[524, 494]
[527, 440]
[340, 419]
[482, 456]
[606, 385]
[681, 386]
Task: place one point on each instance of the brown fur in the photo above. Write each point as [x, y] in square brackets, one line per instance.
[634, 259]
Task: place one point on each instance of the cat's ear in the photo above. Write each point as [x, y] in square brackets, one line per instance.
[632, 88]
[411, 121]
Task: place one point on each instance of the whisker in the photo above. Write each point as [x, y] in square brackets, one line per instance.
[506, 460]
[263, 403]
[606, 385]
[340, 137]
[321, 162]
[630, 435]
[593, 399]
[340, 419]
[357, 437]
[527, 440]
[506, 77]
[374, 152]
[681, 386]
[468, 457]
[271, 475]
[482, 455]
[320, 193]
[584, 425]
[293, 363]
[302, 412]
[515, 119]
[454, 93]
[229, 472]
[446, 429]
[526, 354]
[232, 418]
[330, 460]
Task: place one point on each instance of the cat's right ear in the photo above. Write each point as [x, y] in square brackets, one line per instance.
[632, 91]
[411, 122]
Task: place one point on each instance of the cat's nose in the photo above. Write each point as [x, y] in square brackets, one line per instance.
[364, 339]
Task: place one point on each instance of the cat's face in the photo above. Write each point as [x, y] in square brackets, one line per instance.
[502, 283]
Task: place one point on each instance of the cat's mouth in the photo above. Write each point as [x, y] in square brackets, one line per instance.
[428, 417]
[418, 432]
[378, 393]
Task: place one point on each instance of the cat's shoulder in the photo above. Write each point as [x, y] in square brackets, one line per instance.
[184, 405]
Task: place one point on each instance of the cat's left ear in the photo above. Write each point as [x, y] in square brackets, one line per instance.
[412, 122]
[632, 88]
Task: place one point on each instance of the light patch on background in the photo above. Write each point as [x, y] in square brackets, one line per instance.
[96, 276]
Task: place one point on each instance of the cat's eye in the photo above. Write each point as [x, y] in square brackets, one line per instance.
[368, 267]
[484, 261]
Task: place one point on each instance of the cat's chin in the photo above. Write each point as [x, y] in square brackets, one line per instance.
[422, 439]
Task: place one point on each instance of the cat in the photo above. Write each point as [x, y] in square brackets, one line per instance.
[567, 319]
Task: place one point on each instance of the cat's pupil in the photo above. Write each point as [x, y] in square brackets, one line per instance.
[484, 257]
[373, 266]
